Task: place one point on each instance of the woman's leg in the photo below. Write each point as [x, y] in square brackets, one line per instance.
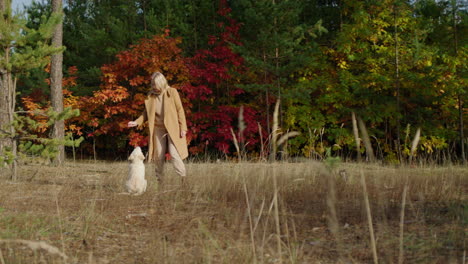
[176, 160]
[160, 147]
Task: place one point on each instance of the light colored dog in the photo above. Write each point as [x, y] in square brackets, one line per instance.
[136, 182]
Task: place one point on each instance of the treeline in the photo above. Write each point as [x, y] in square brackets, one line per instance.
[396, 66]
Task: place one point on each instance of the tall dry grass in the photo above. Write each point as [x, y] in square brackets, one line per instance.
[237, 212]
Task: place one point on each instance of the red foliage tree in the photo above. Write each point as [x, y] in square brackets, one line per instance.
[214, 92]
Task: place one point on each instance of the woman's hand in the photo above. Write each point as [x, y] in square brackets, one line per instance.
[132, 124]
[183, 133]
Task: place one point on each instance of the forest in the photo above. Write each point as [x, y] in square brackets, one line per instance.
[393, 69]
[320, 131]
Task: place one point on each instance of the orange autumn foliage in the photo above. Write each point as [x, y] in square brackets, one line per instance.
[37, 104]
[126, 82]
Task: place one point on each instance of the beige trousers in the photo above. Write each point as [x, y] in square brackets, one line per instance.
[164, 144]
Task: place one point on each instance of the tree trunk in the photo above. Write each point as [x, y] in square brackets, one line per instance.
[278, 85]
[397, 84]
[8, 108]
[3, 95]
[267, 92]
[274, 133]
[7, 99]
[56, 83]
[414, 144]
[3, 111]
[460, 101]
[11, 114]
[460, 120]
[366, 140]
[356, 136]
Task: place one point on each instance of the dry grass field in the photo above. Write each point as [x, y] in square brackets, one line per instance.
[235, 213]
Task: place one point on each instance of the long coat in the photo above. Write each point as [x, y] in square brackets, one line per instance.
[174, 121]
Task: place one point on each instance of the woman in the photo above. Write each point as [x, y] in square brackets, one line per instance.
[167, 126]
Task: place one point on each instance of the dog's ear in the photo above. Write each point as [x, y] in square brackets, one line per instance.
[132, 155]
[141, 156]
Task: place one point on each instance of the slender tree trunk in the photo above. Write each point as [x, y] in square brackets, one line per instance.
[267, 92]
[11, 114]
[274, 133]
[414, 144]
[56, 75]
[356, 136]
[10, 93]
[3, 95]
[195, 28]
[278, 86]
[460, 100]
[462, 143]
[167, 14]
[340, 4]
[397, 83]
[3, 111]
[143, 7]
[366, 140]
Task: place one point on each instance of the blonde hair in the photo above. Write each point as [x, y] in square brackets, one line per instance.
[159, 82]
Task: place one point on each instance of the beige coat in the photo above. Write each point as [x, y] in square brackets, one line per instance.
[174, 121]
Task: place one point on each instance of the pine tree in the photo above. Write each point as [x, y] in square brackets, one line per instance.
[22, 48]
[272, 37]
[56, 74]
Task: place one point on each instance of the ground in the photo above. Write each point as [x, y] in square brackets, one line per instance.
[235, 213]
